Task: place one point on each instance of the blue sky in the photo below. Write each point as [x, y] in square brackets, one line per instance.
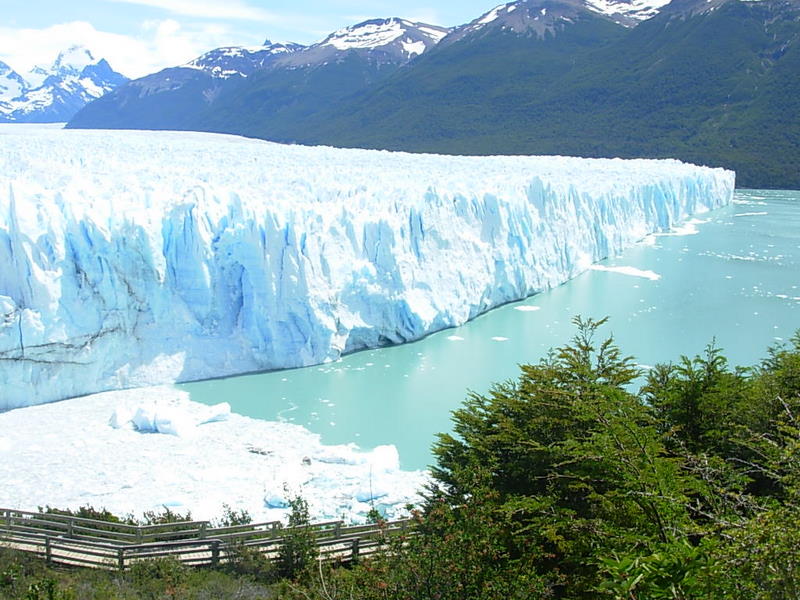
[142, 36]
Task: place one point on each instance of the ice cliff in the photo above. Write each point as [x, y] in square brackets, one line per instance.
[137, 258]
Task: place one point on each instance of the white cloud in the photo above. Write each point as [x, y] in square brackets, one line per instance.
[157, 45]
[426, 15]
[208, 9]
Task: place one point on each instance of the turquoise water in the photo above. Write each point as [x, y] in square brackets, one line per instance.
[735, 280]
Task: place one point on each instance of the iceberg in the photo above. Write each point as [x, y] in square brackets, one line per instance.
[132, 258]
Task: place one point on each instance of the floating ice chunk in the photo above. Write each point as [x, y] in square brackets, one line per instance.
[455, 338]
[527, 308]
[752, 214]
[499, 339]
[631, 271]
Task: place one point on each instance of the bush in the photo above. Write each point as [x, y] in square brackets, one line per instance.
[299, 549]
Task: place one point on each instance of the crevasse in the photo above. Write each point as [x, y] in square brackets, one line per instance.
[139, 258]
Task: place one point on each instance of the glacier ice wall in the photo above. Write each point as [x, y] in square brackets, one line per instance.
[138, 258]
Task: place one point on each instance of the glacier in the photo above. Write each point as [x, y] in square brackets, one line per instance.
[132, 258]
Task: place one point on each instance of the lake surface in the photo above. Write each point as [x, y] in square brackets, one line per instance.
[735, 279]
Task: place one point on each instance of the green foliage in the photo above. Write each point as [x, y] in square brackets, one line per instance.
[578, 463]
[298, 551]
[233, 518]
[451, 553]
[648, 496]
[165, 517]
[374, 516]
[47, 589]
[251, 563]
[88, 512]
[159, 578]
[676, 571]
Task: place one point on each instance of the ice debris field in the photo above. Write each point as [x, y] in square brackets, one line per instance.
[137, 450]
[139, 258]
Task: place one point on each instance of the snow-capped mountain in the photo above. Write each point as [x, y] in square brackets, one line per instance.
[231, 61]
[390, 40]
[54, 94]
[547, 15]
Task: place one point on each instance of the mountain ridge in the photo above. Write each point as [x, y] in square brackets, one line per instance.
[55, 93]
[192, 97]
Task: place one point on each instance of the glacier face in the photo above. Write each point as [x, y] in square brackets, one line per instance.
[133, 258]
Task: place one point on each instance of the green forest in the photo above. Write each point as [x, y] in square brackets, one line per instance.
[583, 478]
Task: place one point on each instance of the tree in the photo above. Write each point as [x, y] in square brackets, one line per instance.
[578, 463]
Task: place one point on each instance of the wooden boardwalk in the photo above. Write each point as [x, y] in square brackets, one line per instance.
[74, 541]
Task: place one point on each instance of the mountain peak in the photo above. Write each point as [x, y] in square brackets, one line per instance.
[230, 61]
[379, 33]
[76, 58]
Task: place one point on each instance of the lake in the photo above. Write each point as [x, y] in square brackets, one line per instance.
[733, 278]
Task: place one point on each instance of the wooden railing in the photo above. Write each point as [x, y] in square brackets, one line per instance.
[64, 539]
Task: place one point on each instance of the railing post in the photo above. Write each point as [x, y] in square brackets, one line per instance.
[71, 528]
[9, 520]
[121, 559]
[139, 535]
[48, 551]
[203, 531]
[337, 530]
[355, 550]
[215, 553]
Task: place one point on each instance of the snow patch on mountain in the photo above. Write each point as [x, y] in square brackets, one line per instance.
[133, 258]
[11, 83]
[372, 34]
[493, 14]
[638, 10]
[405, 38]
